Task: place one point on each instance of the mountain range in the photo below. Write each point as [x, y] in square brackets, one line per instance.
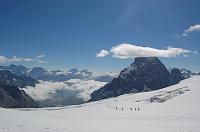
[40, 73]
[71, 87]
[75, 86]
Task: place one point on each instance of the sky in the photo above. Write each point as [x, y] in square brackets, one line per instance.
[99, 35]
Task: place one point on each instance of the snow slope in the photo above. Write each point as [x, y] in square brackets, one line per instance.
[172, 109]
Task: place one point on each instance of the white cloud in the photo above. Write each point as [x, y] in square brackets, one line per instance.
[102, 53]
[40, 56]
[125, 51]
[4, 59]
[41, 61]
[195, 52]
[18, 59]
[194, 28]
[74, 91]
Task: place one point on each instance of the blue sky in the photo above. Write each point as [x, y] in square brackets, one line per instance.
[71, 32]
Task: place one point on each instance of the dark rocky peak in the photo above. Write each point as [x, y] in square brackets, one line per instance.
[145, 74]
[13, 97]
[143, 62]
[146, 60]
[143, 66]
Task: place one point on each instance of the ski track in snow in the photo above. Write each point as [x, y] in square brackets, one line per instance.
[172, 109]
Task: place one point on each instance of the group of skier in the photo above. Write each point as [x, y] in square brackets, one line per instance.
[131, 109]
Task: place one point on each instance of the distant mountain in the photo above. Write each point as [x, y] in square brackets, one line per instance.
[187, 73]
[103, 77]
[40, 73]
[59, 75]
[10, 95]
[76, 74]
[17, 69]
[145, 74]
[37, 72]
[9, 79]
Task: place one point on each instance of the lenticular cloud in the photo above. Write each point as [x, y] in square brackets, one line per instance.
[125, 51]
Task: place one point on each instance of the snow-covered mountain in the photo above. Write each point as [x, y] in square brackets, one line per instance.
[171, 109]
[9, 79]
[16, 69]
[187, 73]
[40, 73]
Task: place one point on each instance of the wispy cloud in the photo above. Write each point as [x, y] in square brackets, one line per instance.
[195, 52]
[40, 56]
[102, 53]
[125, 51]
[176, 35]
[4, 59]
[41, 61]
[193, 28]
